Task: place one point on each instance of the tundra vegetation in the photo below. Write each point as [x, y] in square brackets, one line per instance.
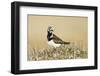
[59, 53]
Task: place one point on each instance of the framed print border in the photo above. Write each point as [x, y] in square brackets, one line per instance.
[15, 37]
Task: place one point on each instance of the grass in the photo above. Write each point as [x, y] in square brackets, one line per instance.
[62, 52]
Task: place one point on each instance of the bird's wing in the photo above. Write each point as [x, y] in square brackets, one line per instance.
[57, 40]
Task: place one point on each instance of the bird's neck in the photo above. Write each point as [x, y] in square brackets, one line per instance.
[49, 36]
[50, 33]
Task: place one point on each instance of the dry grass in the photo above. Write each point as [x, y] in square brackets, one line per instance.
[63, 52]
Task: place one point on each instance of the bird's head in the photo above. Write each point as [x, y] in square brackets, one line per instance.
[50, 29]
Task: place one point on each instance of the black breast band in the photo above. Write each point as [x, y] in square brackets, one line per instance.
[49, 36]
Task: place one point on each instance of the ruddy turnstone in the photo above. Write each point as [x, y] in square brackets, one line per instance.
[54, 40]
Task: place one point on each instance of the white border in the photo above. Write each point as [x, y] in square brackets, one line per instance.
[24, 65]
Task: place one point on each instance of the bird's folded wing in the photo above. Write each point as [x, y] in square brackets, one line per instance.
[57, 40]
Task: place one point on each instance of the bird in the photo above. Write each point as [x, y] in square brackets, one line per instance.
[54, 40]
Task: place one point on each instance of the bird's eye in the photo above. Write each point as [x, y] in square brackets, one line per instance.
[51, 30]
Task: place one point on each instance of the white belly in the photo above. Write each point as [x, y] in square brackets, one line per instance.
[51, 43]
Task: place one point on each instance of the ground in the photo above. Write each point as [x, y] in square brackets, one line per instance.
[60, 53]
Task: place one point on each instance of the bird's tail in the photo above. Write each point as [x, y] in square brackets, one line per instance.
[66, 43]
